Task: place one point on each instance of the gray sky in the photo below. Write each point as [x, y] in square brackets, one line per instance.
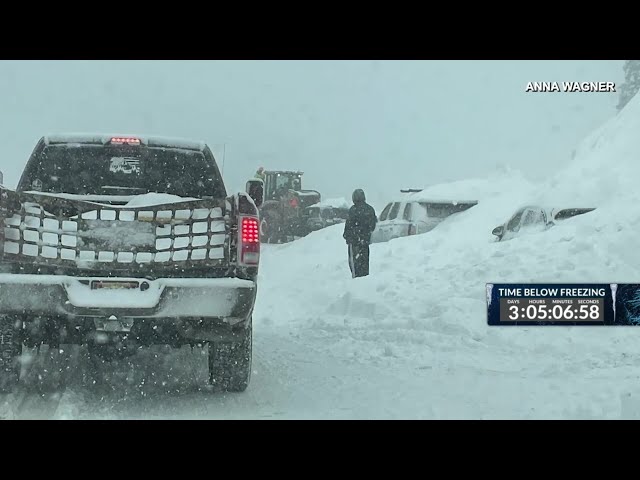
[378, 125]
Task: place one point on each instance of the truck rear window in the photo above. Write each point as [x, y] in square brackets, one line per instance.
[122, 170]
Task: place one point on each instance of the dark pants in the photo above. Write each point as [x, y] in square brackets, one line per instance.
[359, 259]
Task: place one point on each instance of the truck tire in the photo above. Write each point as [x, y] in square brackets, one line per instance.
[230, 363]
[269, 228]
[10, 351]
[264, 229]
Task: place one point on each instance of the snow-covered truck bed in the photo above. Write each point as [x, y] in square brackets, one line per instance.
[119, 242]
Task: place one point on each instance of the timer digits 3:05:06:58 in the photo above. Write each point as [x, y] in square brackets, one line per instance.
[556, 312]
[551, 309]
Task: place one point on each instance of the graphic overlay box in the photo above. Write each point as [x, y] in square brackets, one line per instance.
[627, 304]
[562, 304]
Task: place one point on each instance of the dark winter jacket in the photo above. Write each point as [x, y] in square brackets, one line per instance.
[360, 224]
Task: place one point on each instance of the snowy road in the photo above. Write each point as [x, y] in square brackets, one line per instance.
[290, 380]
[320, 374]
[293, 377]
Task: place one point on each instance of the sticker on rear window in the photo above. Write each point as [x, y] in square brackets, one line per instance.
[124, 165]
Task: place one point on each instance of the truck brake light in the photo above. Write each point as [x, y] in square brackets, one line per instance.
[249, 244]
[125, 140]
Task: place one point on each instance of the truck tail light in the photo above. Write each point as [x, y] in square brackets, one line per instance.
[249, 241]
[125, 141]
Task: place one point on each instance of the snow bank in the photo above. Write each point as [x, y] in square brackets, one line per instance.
[606, 167]
[425, 298]
[334, 203]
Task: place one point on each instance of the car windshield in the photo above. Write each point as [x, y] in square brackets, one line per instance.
[110, 170]
[532, 218]
[571, 212]
[514, 223]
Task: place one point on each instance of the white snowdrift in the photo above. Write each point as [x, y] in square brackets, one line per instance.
[151, 199]
[424, 302]
[339, 202]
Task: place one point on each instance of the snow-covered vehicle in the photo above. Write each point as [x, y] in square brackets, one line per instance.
[118, 242]
[326, 213]
[282, 213]
[409, 217]
[534, 218]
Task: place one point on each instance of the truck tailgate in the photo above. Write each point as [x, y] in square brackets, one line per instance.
[43, 229]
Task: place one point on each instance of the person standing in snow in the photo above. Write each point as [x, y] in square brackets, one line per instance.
[260, 174]
[357, 232]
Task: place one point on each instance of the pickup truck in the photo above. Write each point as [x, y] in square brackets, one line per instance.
[119, 242]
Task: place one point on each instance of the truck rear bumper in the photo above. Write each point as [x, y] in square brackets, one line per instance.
[229, 300]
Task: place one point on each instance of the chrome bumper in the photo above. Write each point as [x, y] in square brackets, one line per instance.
[230, 299]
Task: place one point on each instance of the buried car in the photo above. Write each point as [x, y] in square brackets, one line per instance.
[532, 218]
[414, 217]
[326, 213]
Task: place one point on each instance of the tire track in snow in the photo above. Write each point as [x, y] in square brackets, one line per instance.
[42, 392]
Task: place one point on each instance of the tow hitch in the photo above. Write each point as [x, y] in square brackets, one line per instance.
[113, 324]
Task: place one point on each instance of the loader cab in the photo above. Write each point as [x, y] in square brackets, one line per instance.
[277, 182]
